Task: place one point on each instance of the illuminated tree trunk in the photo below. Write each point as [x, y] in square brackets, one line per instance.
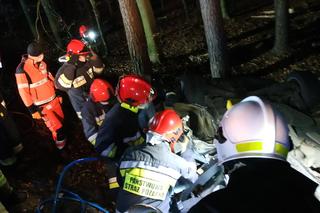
[96, 14]
[25, 9]
[52, 21]
[135, 37]
[149, 26]
[213, 26]
[281, 43]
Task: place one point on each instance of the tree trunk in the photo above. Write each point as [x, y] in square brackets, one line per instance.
[52, 21]
[224, 9]
[25, 9]
[149, 26]
[135, 37]
[213, 26]
[96, 14]
[281, 43]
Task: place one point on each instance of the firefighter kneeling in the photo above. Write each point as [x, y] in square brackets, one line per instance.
[150, 171]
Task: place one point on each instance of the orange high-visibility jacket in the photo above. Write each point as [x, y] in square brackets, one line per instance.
[35, 83]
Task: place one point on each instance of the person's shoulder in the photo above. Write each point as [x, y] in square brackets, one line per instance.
[20, 67]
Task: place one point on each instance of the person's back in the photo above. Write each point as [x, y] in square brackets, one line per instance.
[252, 144]
[150, 171]
[120, 127]
[94, 109]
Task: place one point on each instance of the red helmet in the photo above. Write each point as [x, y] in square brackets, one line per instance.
[134, 90]
[82, 30]
[101, 90]
[167, 124]
[75, 46]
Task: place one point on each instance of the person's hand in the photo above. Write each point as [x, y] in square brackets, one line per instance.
[36, 115]
[60, 99]
[94, 55]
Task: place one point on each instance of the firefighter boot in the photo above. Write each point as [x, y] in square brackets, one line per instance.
[59, 138]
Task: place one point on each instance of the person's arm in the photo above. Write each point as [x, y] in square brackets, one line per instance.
[24, 90]
[90, 126]
[96, 63]
[105, 141]
[188, 169]
[64, 78]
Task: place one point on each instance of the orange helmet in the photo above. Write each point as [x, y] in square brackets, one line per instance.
[134, 90]
[76, 46]
[101, 90]
[168, 124]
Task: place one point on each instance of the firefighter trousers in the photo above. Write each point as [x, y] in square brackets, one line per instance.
[53, 116]
[9, 134]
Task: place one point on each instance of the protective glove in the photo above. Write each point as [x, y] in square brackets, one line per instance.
[36, 115]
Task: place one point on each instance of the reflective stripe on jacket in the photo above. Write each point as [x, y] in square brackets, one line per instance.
[119, 130]
[93, 115]
[35, 83]
[149, 172]
[79, 75]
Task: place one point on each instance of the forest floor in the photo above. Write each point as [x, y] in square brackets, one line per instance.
[183, 45]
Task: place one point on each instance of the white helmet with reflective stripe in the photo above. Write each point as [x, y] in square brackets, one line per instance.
[252, 129]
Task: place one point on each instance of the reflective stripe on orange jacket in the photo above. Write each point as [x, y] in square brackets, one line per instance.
[35, 83]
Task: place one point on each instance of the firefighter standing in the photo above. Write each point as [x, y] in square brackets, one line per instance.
[94, 109]
[76, 75]
[252, 145]
[150, 171]
[36, 88]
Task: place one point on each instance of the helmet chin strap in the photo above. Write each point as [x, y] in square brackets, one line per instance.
[104, 102]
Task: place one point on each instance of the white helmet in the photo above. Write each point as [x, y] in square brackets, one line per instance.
[252, 129]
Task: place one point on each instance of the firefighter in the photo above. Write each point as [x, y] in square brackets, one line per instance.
[94, 109]
[150, 171]
[120, 128]
[77, 73]
[36, 88]
[8, 195]
[10, 140]
[252, 144]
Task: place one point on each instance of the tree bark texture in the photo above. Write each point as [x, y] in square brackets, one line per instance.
[96, 14]
[135, 37]
[52, 21]
[31, 23]
[213, 27]
[149, 26]
[281, 43]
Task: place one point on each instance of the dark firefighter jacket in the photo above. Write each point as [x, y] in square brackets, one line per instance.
[263, 187]
[119, 130]
[149, 173]
[93, 115]
[77, 74]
